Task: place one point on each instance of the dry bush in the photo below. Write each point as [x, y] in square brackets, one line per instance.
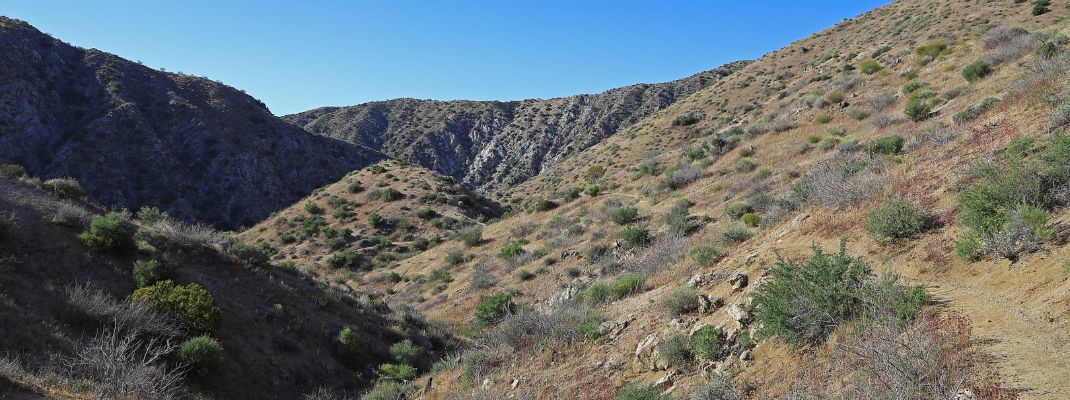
[70, 214]
[1007, 44]
[878, 102]
[681, 177]
[171, 235]
[665, 251]
[780, 122]
[124, 365]
[843, 181]
[482, 277]
[522, 229]
[526, 329]
[936, 133]
[100, 306]
[930, 358]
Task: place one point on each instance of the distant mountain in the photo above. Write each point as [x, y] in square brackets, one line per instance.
[492, 144]
[135, 136]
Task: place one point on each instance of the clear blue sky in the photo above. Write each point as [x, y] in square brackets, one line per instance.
[299, 55]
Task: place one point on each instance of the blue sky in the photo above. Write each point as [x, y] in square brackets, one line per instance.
[299, 55]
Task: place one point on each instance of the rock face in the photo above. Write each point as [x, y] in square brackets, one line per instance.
[135, 136]
[491, 144]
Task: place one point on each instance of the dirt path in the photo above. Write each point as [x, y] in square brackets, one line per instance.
[1030, 351]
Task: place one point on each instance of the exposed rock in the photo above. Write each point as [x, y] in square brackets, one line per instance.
[739, 313]
[612, 329]
[667, 380]
[487, 384]
[707, 304]
[492, 144]
[745, 355]
[698, 280]
[646, 358]
[965, 394]
[738, 282]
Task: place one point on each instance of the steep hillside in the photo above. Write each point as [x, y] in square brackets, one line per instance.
[929, 136]
[490, 145]
[134, 136]
[72, 329]
[371, 219]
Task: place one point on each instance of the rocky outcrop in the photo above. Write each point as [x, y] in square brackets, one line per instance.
[134, 136]
[492, 144]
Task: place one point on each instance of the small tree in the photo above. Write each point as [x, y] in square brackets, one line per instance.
[203, 355]
[110, 232]
[147, 273]
[191, 305]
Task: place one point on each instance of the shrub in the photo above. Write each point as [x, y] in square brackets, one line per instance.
[525, 275]
[512, 249]
[750, 219]
[401, 372]
[976, 70]
[687, 119]
[390, 194]
[918, 109]
[597, 294]
[887, 145]
[65, 189]
[351, 343]
[203, 355]
[313, 208]
[744, 165]
[69, 214]
[704, 254]
[595, 172]
[625, 215]
[635, 235]
[151, 215]
[12, 171]
[710, 343]
[627, 285]
[718, 387]
[1040, 7]
[682, 301]
[573, 272]
[737, 209]
[972, 112]
[376, 221]
[869, 67]
[897, 219]
[110, 232]
[545, 205]
[344, 259]
[675, 349]
[426, 213]
[455, 257]
[472, 236]
[676, 218]
[823, 118]
[829, 143]
[247, 254]
[191, 305]
[355, 187]
[735, 234]
[968, 247]
[637, 391]
[493, 308]
[147, 273]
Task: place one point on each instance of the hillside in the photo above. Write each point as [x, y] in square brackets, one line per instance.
[929, 136]
[134, 136]
[489, 145]
[371, 219]
[72, 329]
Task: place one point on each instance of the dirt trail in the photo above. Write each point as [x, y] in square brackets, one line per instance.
[1029, 350]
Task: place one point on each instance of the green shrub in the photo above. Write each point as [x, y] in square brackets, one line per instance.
[911, 87]
[676, 218]
[191, 305]
[625, 215]
[635, 235]
[386, 389]
[918, 109]
[745, 165]
[426, 213]
[390, 194]
[110, 232]
[376, 221]
[400, 372]
[344, 259]
[687, 119]
[972, 112]
[313, 208]
[869, 67]
[675, 349]
[525, 275]
[627, 285]
[968, 247]
[493, 308]
[151, 215]
[472, 237]
[377, 169]
[545, 205]
[202, 354]
[147, 273]
[710, 343]
[512, 249]
[976, 70]
[750, 219]
[351, 343]
[637, 391]
[718, 387]
[455, 257]
[1040, 7]
[355, 187]
[682, 301]
[597, 294]
[65, 189]
[704, 254]
[12, 171]
[737, 209]
[823, 118]
[735, 234]
[887, 145]
[595, 172]
[897, 219]
[572, 272]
